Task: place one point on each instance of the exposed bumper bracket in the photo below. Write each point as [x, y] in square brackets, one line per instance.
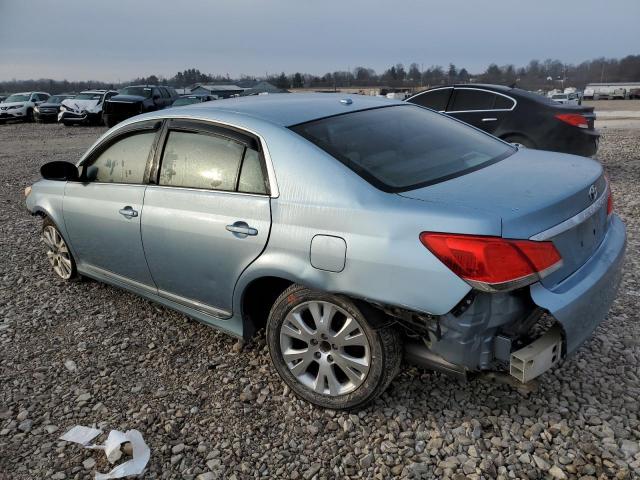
[537, 357]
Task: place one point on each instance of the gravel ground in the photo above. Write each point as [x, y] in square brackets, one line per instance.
[208, 407]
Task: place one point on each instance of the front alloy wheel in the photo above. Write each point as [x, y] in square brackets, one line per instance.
[58, 253]
[325, 348]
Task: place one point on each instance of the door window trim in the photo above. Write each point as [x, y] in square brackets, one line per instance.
[94, 152]
[161, 120]
[424, 92]
[453, 98]
[211, 128]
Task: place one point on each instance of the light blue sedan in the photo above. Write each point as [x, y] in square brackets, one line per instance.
[356, 230]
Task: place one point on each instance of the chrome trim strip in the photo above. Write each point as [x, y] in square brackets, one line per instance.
[119, 278]
[515, 102]
[573, 221]
[187, 302]
[273, 184]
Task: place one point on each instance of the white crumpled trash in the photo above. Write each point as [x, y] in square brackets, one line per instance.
[111, 447]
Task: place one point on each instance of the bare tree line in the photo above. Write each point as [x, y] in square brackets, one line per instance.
[535, 75]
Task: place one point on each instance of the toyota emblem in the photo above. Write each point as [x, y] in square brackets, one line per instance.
[593, 192]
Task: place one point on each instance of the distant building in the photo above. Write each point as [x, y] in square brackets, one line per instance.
[221, 91]
[261, 88]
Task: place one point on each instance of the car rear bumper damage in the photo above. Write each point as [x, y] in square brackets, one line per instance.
[581, 301]
[493, 331]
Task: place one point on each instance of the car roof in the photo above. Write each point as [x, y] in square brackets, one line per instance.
[287, 109]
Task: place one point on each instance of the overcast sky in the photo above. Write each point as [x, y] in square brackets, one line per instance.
[121, 39]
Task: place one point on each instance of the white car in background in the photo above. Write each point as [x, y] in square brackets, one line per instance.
[567, 98]
[19, 106]
[85, 108]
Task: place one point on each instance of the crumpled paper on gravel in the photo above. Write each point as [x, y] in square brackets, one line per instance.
[111, 447]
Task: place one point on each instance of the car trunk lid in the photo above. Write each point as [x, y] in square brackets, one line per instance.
[533, 191]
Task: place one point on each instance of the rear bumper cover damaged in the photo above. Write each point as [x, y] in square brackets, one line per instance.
[581, 301]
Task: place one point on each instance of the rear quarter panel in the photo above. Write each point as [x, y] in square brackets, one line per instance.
[385, 261]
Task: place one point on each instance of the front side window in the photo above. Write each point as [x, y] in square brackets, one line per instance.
[124, 161]
[404, 147]
[434, 99]
[199, 160]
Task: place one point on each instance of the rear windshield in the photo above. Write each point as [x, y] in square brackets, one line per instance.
[404, 147]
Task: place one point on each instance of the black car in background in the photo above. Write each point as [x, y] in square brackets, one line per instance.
[135, 100]
[191, 99]
[517, 116]
[48, 111]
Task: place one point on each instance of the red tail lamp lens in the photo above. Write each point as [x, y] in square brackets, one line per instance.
[493, 261]
[574, 119]
[610, 203]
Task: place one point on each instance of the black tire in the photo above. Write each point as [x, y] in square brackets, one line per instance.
[520, 140]
[29, 117]
[67, 124]
[383, 340]
[74, 276]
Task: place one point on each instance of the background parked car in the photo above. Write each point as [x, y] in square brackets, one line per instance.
[19, 106]
[137, 99]
[567, 98]
[48, 111]
[191, 99]
[85, 108]
[517, 116]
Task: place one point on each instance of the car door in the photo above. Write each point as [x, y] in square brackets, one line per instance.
[481, 108]
[102, 212]
[208, 216]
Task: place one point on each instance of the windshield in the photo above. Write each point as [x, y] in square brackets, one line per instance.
[186, 101]
[88, 96]
[17, 98]
[404, 147]
[58, 98]
[137, 91]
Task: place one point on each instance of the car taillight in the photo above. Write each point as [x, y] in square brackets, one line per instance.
[493, 263]
[610, 203]
[574, 119]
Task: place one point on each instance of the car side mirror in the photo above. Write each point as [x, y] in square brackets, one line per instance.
[91, 173]
[62, 171]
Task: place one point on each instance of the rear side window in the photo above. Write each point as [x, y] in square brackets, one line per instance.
[404, 147]
[200, 161]
[125, 161]
[433, 99]
[465, 99]
[503, 103]
[252, 178]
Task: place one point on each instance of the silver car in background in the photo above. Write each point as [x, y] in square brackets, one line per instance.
[356, 230]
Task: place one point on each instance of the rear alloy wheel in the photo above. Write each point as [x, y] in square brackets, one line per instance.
[58, 252]
[327, 351]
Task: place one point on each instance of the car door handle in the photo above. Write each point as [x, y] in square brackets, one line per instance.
[241, 229]
[128, 212]
[491, 119]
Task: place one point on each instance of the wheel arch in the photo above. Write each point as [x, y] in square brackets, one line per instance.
[257, 298]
